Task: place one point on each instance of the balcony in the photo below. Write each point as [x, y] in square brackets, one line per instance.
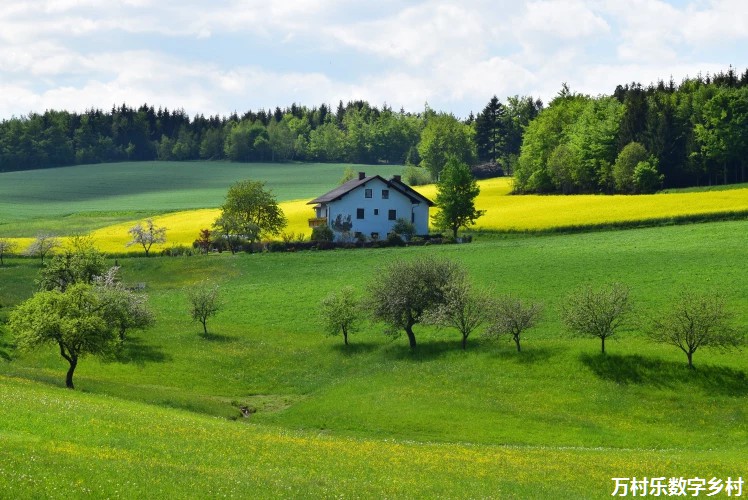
[317, 221]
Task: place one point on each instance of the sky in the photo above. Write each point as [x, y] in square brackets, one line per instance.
[220, 56]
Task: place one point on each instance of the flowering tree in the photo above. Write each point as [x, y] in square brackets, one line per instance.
[146, 235]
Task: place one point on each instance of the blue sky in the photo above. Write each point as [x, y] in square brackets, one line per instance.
[225, 55]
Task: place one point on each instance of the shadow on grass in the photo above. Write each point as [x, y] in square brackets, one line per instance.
[528, 355]
[5, 347]
[137, 352]
[640, 370]
[430, 350]
[217, 337]
[356, 347]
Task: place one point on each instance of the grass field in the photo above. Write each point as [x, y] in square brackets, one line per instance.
[86, 197]
[375, 419]
[557, 420]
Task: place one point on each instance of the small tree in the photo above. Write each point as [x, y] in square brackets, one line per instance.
[596, 312]
[339, 312]
[43, 245]
[146, 235]
[694, 321]
[348, 174]
[123, 309]
[233, 231]
[6, 246]
[73, 320]
[455, 197]
[402, 292]
[253, 209]
[205, 301]
[79, 262]
[204, 240]
[463, 309]
[512, 316]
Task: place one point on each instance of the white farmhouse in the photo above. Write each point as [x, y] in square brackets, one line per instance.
[373, 205]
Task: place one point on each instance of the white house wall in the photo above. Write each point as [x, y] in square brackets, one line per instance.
[380, 222]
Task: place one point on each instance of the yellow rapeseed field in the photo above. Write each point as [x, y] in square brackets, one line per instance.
[504, 212]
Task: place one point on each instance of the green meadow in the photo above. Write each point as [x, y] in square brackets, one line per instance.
[85, 197]
[557, 420]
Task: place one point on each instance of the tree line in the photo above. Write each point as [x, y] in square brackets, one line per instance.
[356, 132]
[437, 292]
[639, 139]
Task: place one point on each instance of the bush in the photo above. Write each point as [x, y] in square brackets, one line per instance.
[404, 228]
[277, 246]
[646, 177]
[178, 251]
[322, 233]
[394, 240]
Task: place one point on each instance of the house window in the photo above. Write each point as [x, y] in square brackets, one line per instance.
[376, 211]
[392, 215]
[367, 193]
[385, 194]
[359, 213]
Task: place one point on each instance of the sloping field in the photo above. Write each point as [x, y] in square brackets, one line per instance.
[68, 445]
[86, 197]
[558, 420]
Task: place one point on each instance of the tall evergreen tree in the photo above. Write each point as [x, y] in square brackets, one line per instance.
[490, 131]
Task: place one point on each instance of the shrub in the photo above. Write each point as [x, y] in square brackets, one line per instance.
[322, 233]
[394, 240]
[404, 228]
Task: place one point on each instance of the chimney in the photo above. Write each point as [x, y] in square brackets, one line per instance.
[361, 176]
[396, 178]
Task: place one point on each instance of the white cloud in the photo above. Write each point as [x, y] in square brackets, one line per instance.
[565, 19]
[242, 54]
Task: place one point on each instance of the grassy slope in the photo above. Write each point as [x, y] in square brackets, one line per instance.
[559, 394]
[58, 444]
[86, 197]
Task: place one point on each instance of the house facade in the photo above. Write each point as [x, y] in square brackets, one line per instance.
[373, 205]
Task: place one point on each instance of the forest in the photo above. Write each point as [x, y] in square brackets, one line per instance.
[639, 139]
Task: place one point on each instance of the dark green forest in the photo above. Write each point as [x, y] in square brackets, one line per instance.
[639, 139]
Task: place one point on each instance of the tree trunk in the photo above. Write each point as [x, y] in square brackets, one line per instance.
[345, 337]
[69, 377]
[603, 344]
[205, 326]
[690, 359]
[516, 341]
[454, 231]
[411, 336]
[464, 342]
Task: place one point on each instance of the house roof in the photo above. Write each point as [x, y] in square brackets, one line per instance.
[351, 185]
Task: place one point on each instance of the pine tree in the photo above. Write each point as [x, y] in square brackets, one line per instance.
[489, 128]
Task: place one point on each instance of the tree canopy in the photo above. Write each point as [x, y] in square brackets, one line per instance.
[455, 197]
[250, 211]
[402, 292]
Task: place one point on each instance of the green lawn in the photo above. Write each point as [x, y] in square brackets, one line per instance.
[86, 197]
[558, 419]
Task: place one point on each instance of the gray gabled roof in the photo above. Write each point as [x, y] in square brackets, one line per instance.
[349, 186]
